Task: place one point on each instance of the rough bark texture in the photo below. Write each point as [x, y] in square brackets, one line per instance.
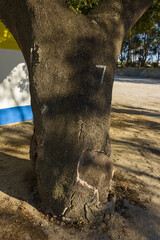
[71, 60]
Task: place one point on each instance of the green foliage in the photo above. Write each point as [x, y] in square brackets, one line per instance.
[142, 42]
[154, 65]
[148, 19]
[141, 48]
[82, 6]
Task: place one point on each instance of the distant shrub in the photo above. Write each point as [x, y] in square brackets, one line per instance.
[154, 65]
[82, 6]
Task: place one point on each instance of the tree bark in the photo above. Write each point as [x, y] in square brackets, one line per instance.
[71, 60]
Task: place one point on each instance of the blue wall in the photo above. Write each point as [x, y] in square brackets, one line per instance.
[15, 114]
[14, 88]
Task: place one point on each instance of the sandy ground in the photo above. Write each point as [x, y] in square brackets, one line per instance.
[135, 141]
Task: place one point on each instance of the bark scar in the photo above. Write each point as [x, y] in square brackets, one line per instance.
[80, 122]
[95, 171]
[85, 184]
[34, 55]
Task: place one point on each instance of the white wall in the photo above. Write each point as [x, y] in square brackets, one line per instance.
[14, 83]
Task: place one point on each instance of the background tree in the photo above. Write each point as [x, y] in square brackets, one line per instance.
[142, 40]
[71, 60]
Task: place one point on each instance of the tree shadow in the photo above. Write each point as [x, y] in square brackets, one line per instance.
[136, 111]
[135, 172]
[150, 229]
[137, 80]
[17, 178]
[13, 137]
[128, 118]
[125, 109]
[139, 119]
[132, 210]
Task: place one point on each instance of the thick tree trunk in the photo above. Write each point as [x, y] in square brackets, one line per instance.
[121, 58]
[71, 61]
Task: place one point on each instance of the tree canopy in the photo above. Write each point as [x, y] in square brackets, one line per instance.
[82, 6]
[142, 42]
[7, 40]
[148, 20]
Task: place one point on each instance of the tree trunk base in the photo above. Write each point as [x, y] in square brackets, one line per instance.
[80, 210]
[89, 194]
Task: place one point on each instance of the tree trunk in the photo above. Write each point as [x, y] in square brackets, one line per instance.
[71, 60]
[158, 53]
[121, 58]
[134, 56]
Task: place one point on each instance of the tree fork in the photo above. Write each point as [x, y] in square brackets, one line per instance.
[71, 60]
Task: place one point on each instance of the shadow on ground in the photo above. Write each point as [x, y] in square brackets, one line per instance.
[133, 218]
[17, 178]
[136, 80]
[136, 111]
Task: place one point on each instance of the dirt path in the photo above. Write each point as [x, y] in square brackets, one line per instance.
[136, 154]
